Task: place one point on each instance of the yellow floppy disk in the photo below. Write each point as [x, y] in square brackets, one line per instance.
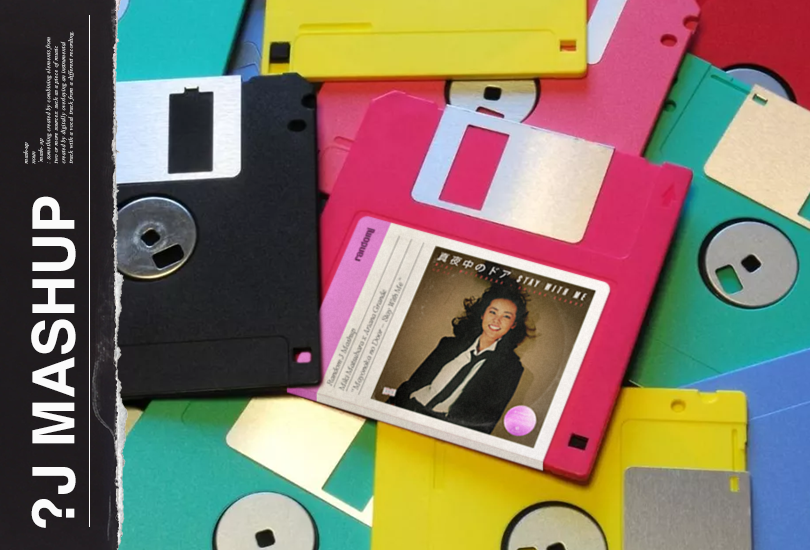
[670, 475]
[425, 39]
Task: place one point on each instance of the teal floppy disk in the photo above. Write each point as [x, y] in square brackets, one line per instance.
[185, 484]
[160, 39]
[735, 290]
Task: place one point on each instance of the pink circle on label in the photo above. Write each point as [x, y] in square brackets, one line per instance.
[520, 420]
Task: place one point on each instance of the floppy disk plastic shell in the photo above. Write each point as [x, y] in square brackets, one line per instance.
[624, 245]
[177, 39]
[369, 40]
[779, 450]
[753, 34]
[180, 476]
[232, 315]
[745, 148]
[246, 59]
[433, 495]
[634, 50]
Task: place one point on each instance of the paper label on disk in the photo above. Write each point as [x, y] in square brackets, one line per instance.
[446, 338]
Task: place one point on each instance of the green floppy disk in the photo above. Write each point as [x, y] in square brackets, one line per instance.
[735, 290]
[273, 472]
[160, 39]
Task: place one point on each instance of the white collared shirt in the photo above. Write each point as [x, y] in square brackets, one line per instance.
[447, 373]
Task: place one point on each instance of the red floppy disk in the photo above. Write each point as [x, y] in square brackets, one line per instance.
[758, 42]
[441, 210]
[634, 50]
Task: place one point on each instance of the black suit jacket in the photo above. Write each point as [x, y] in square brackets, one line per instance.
[481, 404]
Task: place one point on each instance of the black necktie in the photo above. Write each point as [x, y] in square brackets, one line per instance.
[457, 379]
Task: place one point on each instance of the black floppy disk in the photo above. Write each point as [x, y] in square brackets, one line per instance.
[217, 235]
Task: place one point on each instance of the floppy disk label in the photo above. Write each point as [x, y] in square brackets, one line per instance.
[399, 292]
[594, 221]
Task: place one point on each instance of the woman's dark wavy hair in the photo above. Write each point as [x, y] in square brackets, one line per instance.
[469, 324]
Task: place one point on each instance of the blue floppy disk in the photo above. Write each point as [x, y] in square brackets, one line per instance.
[778, 446]
[247, 57]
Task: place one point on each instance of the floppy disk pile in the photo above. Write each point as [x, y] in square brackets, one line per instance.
[446, 275]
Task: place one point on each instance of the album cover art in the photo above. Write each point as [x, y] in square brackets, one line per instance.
[483, 346]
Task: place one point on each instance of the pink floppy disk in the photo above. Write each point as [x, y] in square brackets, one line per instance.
[634, 50]
[486, 280]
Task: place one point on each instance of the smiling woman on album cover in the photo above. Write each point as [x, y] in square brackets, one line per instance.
[470, 378]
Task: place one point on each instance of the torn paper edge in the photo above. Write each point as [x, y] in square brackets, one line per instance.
[121, 413]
